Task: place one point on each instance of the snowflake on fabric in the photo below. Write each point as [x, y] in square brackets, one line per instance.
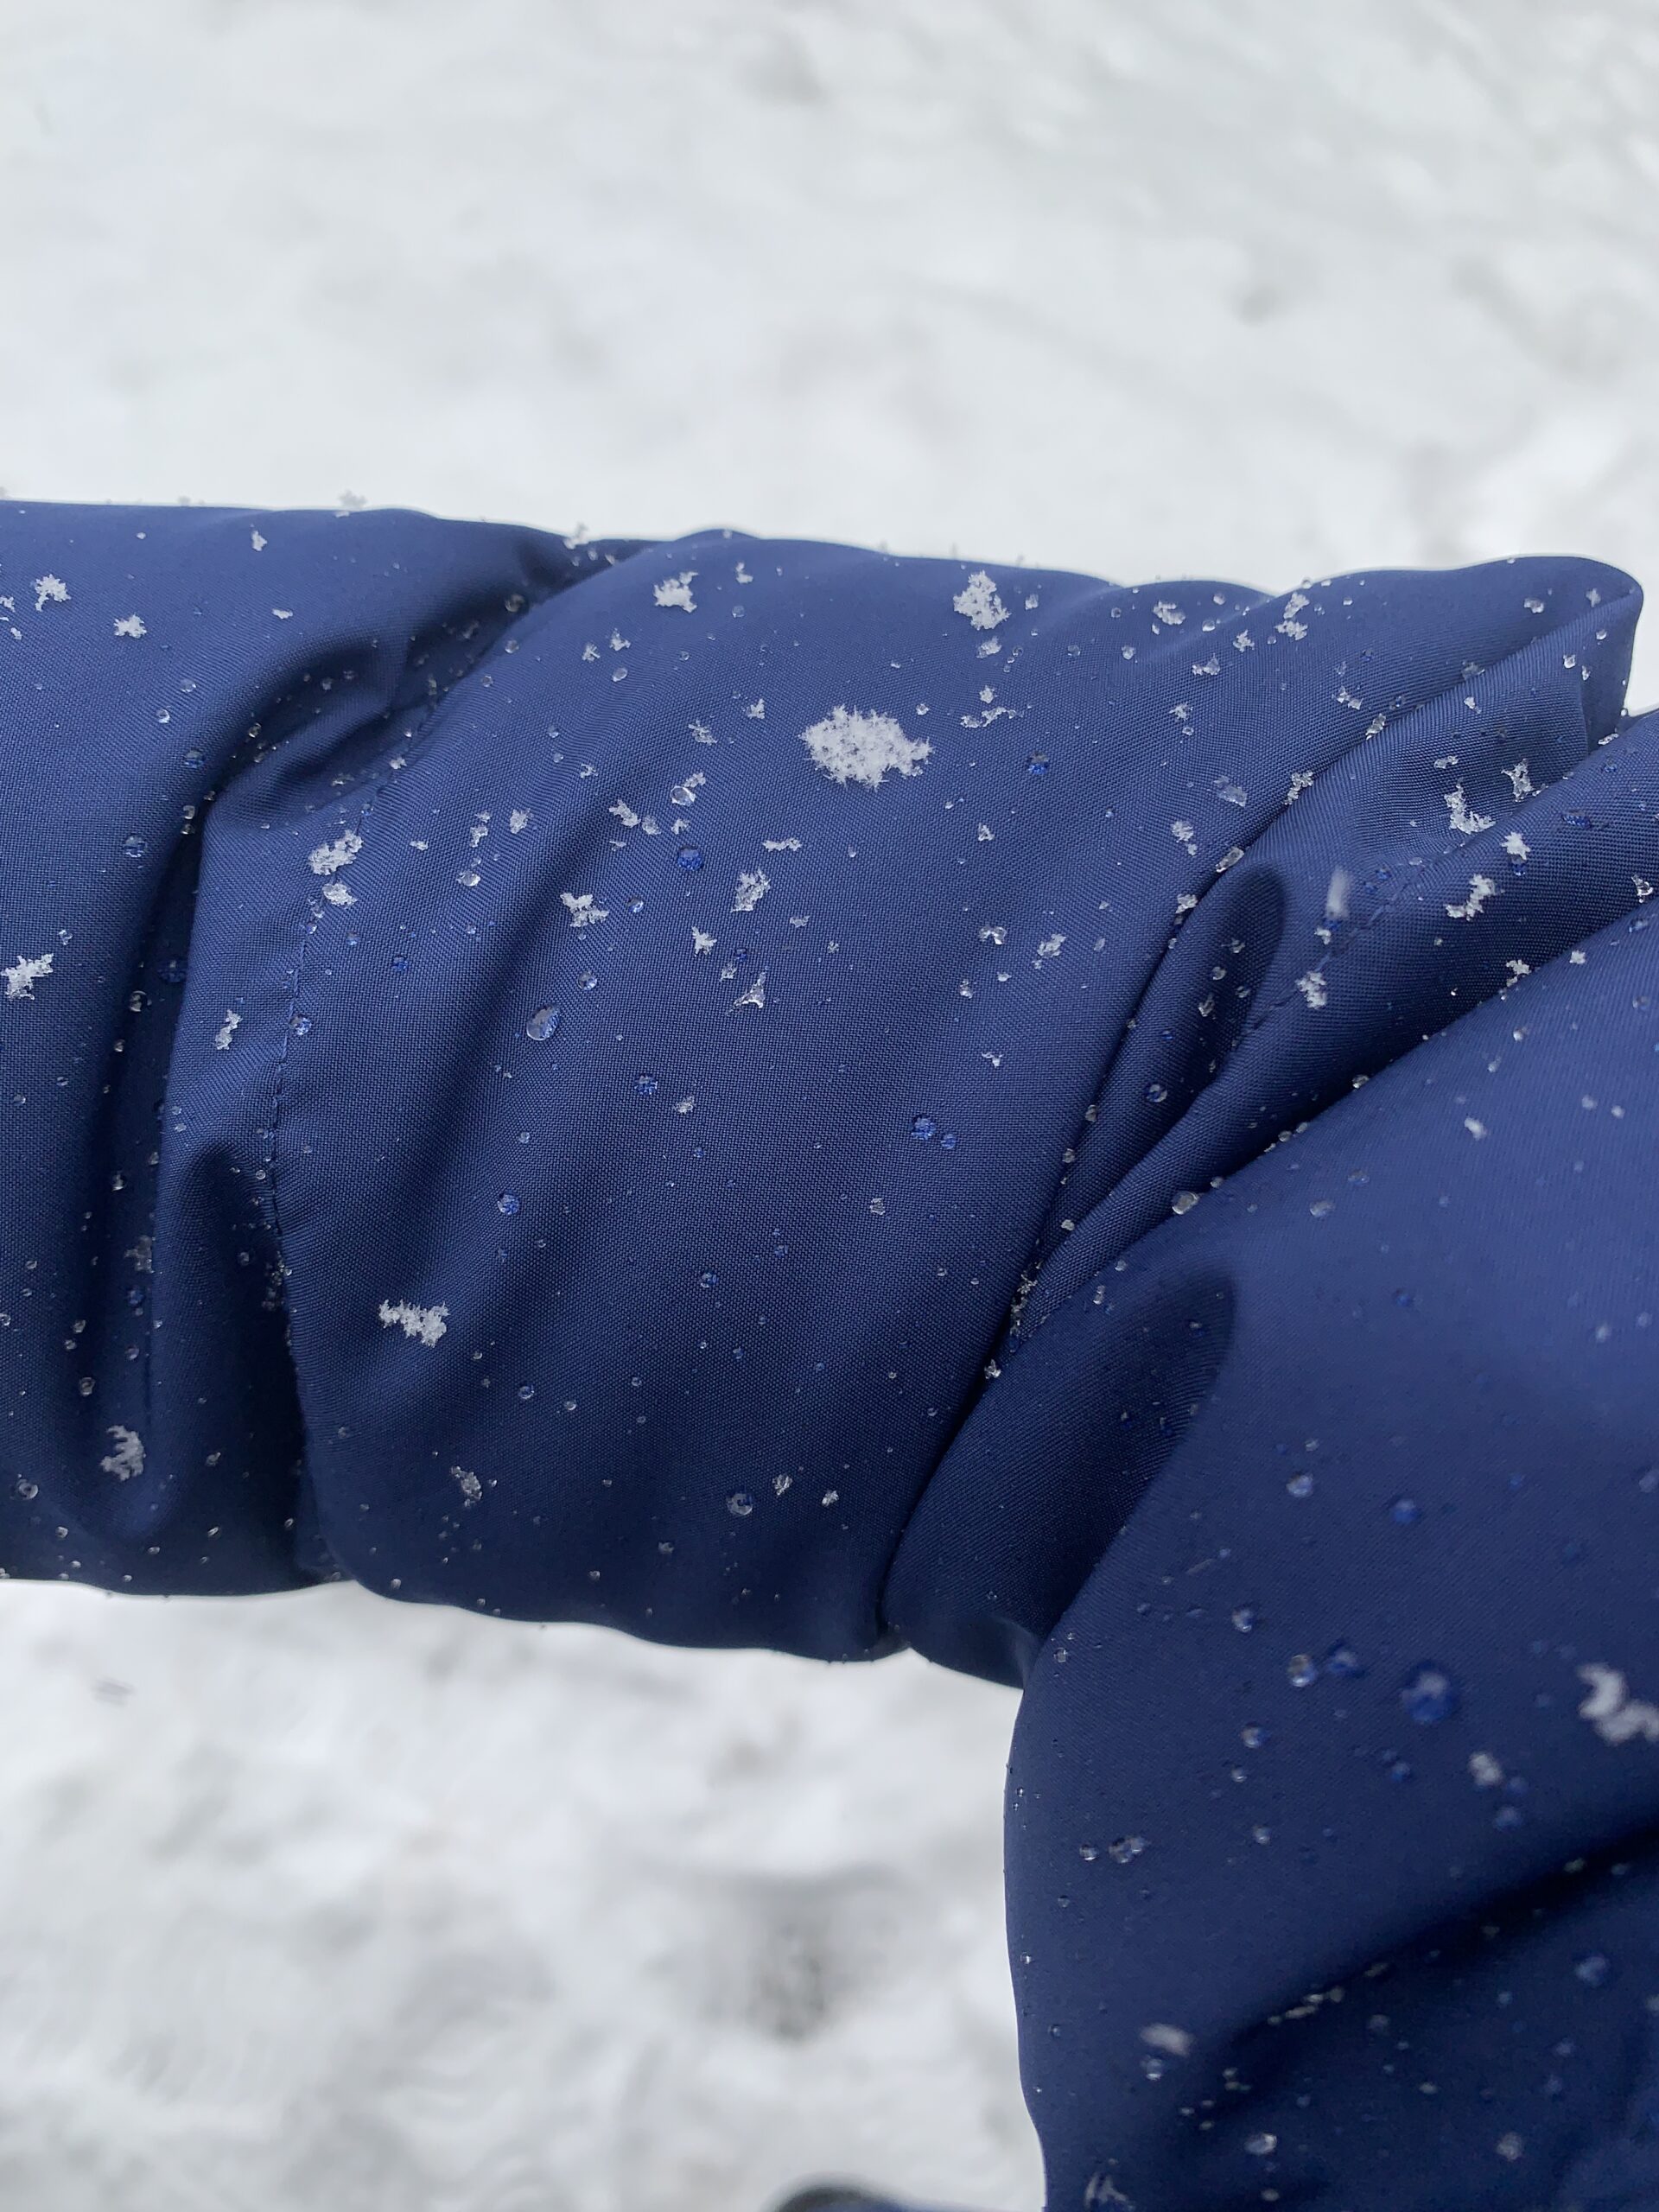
[855, 747]
[981, 602]
[25, 972]
[421, 1324]
[125, 1457]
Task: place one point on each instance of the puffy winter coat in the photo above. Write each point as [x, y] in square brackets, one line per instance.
[765, 1093]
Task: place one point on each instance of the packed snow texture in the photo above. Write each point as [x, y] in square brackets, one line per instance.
[322, 1903]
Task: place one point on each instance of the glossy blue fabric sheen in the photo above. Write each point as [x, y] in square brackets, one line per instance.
[1153, 1199]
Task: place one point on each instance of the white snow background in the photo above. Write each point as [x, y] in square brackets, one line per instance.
[320, 1903]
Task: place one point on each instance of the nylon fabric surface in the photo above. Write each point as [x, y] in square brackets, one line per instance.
[766, 1094]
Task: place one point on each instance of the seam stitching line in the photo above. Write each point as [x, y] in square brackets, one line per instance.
[418, 731]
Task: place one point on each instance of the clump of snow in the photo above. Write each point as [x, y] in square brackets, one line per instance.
[339, 853]
[676, 591]
[981, 602]
[125, 1457]
[25, 972]
[751, 888]
[424, 1324]
[227, 1029]
[852, 746]
[129, 626]
[579, 904]
[50, 589]
[1464, 821]
[1616, 1716]
[1481, 889]
[1160, 2035]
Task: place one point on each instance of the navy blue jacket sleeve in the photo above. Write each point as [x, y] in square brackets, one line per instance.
[763, 1093]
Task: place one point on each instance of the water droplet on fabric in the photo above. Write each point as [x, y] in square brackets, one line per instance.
[134, 848]
[741, 1503]
[689, 858]
[543, 1024]
[1303, 1670]
[924, 1125]
[1406, 1511]
[508, 1202]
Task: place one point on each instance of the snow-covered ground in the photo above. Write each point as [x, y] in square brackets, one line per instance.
[319, 1905]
